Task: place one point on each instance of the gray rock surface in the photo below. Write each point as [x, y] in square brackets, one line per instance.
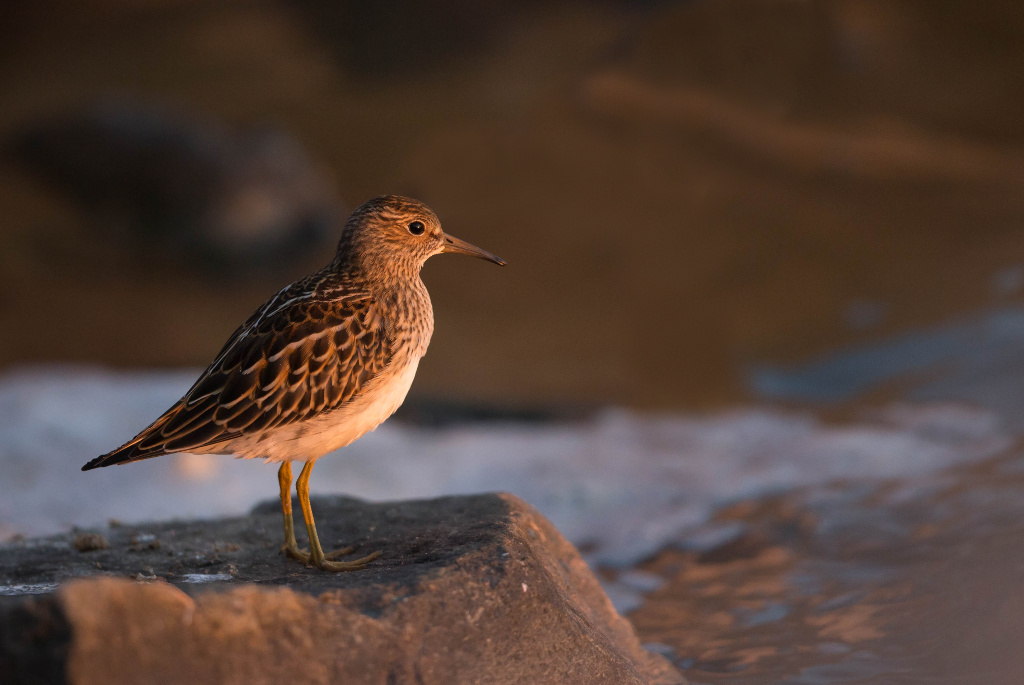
[477, 589]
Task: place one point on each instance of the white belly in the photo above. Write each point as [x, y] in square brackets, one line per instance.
[310, 440]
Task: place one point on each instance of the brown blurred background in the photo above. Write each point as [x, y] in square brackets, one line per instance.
[682, 189]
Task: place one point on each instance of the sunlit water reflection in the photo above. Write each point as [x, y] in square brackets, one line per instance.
[895, 582]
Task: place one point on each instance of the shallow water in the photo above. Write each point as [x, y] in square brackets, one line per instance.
[907, 581]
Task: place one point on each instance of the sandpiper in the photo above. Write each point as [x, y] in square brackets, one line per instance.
[324, 361]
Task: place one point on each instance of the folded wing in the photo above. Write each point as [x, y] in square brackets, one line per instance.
[300, 356]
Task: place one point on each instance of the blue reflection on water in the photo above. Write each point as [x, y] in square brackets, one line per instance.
[977, 359]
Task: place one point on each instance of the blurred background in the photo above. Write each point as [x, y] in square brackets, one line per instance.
[762, 324]
[683, 189]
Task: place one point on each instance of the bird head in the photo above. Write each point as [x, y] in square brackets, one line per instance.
[392, 233]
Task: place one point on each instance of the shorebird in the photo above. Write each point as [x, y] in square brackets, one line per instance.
[324, 361]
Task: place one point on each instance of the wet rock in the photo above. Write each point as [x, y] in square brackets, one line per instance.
[469, 589]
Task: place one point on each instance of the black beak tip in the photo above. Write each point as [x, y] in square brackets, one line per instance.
[462, 247]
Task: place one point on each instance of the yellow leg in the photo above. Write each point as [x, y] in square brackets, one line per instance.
[291, 547]
[316, 552]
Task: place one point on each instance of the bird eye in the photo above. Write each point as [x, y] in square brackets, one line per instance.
[417, 228]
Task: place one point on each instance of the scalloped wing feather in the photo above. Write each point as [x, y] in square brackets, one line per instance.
[298, 357]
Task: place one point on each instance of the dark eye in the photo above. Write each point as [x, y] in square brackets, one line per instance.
[417, 228]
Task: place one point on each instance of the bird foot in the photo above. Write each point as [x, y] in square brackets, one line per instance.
[338, 566]
[294, 552]
[327, 563]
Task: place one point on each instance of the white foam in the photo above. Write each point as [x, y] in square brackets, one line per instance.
[27, 589]
[204, 577]
[624, 482]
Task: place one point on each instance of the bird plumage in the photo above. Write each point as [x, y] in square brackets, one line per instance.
[313, 349]
[308, 351]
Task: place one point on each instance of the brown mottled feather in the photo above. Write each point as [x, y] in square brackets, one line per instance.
[308, 351]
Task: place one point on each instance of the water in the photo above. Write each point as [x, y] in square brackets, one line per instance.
[906, 581]
[911, 579]
[977, 360]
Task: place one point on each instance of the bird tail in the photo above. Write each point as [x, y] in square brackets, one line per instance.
[133, 450]
[124, 454]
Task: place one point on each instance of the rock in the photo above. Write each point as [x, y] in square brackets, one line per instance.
[469, 590]
[89, 542]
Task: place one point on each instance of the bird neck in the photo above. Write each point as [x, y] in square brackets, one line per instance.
[409, 313]
[400, 294]
[376, 262]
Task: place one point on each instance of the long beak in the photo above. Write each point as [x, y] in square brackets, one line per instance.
[452, 244]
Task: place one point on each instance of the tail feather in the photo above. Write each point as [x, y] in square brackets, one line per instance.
[122, 455]
[133, 450]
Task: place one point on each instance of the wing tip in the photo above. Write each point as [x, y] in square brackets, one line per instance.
[122, 455]
[104, 460]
